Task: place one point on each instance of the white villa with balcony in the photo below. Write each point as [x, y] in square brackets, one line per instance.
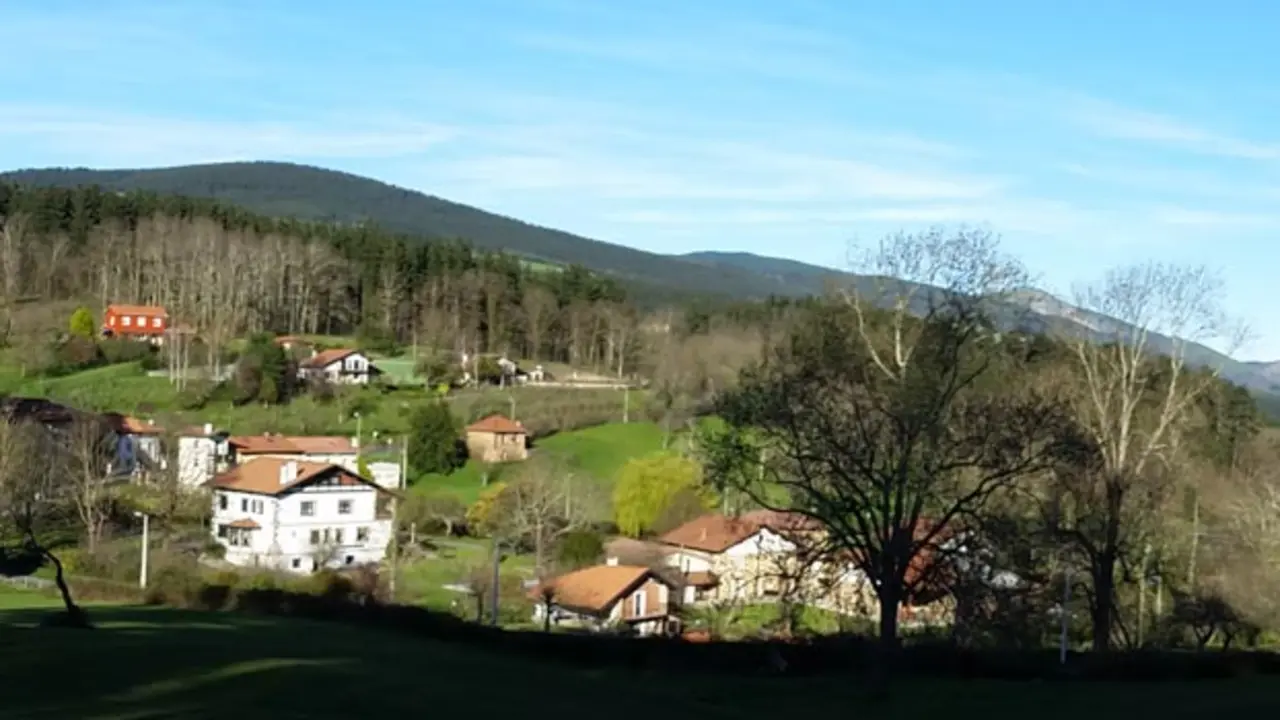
[301, 516]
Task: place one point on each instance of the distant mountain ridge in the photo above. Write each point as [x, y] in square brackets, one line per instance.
[311, 193]
[1263, 377]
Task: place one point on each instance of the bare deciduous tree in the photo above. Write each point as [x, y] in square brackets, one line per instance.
[87, 464]
[32, 500]
[543, 503]
[1134, 395]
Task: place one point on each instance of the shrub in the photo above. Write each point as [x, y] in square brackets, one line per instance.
[579, 549]
[122, 350]
[81, 323]
[75, 354]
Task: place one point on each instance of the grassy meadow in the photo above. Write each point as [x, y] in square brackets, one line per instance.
[164, 663]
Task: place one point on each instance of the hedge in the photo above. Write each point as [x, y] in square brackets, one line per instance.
[336, 598]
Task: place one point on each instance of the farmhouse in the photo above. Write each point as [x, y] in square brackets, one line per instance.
[299, 515]
[340, 366]
[607, 596]
[147, 323]
[497, 439]
[138, 445]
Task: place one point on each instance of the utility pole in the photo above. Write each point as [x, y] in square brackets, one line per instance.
[146, 542]
[497, 578]
[626, 403]
[395, 519]
[512, 400]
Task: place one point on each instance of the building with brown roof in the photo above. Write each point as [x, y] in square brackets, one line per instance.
[299, 515]
[336, 449]
[497, 439]
[604, 597]
[341, 366]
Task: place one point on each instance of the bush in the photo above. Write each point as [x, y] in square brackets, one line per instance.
[121, 350]
[351, 598]
[579, 549]
[75, 354]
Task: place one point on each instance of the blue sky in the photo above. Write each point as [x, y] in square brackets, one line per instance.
[1097, 135]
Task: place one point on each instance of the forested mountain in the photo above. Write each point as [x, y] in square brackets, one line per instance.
[308, 193]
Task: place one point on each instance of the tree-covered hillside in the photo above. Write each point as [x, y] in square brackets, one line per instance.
[309, 193]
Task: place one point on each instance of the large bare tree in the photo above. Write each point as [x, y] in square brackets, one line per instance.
[33, 499]
[1134, 394]
[892, 427]
[87, 465]
[545, 502]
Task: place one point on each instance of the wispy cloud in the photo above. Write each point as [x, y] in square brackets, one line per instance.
[1202, 218]
[1121, 123]
[751, 50]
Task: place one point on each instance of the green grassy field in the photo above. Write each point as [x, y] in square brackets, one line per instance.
[162, 663]
[598, 451]
[423, 581]
[127, 388]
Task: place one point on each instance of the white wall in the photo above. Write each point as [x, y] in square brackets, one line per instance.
[689, 561]
[385, 474]
[765, 542]
[197, 460]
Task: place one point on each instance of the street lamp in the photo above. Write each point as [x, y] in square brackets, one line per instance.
[142, 574]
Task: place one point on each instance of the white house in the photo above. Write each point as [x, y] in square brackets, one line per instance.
[299, 515]
[202, 454]
[728, 558]
[340, 366]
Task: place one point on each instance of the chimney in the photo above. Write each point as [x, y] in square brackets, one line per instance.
[288, 472]
[611, 561]
[208, 428]
[355, 443]
[703, 534]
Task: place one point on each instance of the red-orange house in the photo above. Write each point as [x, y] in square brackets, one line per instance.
[136, 322]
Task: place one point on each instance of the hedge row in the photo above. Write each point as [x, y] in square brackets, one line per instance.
[338, 599]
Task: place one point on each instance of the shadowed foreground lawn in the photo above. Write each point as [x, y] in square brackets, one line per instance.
[154, 663]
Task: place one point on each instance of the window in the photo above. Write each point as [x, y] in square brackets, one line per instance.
[308, 508]
[126, 320]
[344, 507]
[155, 322]
[222, 502]
[351, 559]
[244, 504]
[142, 322]
[222, 531]
[256, 506]
[295, 563]
[326, 535]
[362, 534]
[315, 537]
[637, 604]
[337, 536]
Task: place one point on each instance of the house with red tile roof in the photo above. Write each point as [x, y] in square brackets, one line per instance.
[341, 366]
[497, 439]
[607, 596]
[299, 515]
[147, 323]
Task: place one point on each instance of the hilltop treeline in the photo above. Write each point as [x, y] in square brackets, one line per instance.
[226, 272]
